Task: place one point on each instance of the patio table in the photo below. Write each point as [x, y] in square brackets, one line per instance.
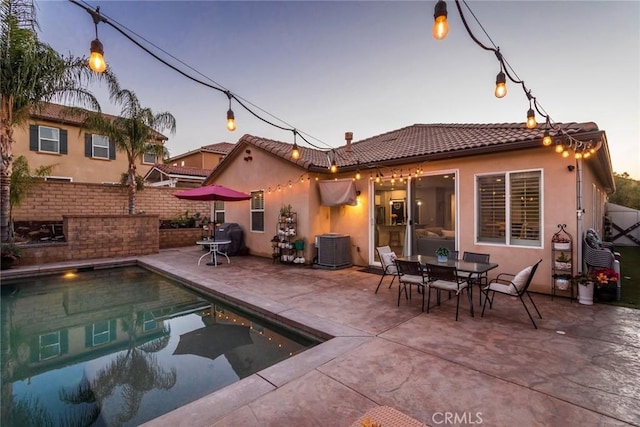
[214, 249]
[472, 268]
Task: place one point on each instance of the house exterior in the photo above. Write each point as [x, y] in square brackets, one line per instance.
[205, 157]
[168, 175]
[491, 188]
[189, 169]
[55, 138]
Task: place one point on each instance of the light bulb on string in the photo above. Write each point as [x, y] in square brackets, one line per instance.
[501, 85]
[531, 119]
[295, 152]
[231, 120]
[578, 155]
[565, 153]
[96, 60]
[546, 139]
[440, 25]
[334, 167]
[358, 175]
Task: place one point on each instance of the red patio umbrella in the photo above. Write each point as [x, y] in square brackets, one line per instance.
[213, 192]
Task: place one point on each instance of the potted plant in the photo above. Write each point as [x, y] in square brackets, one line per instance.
[442, 254]
[606, 284]
[561, 243]
[285, 212]
[563, 262]
[585, 287]
[10, 253]
[562, 281]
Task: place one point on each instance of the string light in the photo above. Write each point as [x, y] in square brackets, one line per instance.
[96, 60]
[506, 71]
[440, 25]
[231, 120]
[501, 85]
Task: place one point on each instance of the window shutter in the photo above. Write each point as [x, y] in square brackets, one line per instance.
[525, 206]
[491, 209]
[63, 141]
[64, 341]
[33, 138]
[88, 336]
[88, 152]
[112, 149]
[112, 330]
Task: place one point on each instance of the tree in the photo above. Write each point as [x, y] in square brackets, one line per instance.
[627, 191]
[133, 132]
[22, 179]
[32, 73]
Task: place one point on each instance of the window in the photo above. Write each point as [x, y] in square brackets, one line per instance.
[257, 211]
[149, 157]
[49, 345]
[100, 146]
[516, 221]
[218, 207]
[101, 333]
[49, 139]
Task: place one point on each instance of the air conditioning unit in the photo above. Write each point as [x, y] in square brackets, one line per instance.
[334, 250]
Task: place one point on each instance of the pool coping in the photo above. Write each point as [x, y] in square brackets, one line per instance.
[336, 338]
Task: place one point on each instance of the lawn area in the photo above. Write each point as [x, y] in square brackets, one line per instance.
[630, 272]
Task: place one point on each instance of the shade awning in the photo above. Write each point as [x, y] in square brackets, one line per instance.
[213, 192]
[338, 192]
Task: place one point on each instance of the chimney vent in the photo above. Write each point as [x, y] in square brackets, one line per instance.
[348, 136]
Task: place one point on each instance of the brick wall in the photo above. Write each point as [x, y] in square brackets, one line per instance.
[99, 236]
[179, 237]
[50, 201]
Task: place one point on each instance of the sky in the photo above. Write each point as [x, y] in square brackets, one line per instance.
[367, 67]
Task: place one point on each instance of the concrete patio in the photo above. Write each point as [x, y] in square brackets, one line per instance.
[581, 367]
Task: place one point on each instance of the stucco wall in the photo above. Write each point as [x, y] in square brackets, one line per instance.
[74, 164]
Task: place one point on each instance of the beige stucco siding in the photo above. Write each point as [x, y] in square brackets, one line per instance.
[74, 164]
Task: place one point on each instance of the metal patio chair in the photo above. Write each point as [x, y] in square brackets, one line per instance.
[446, 278]
[387, 258]
[512, 285]
[411, 273]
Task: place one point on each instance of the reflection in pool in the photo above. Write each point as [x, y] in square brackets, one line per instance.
[122, 346]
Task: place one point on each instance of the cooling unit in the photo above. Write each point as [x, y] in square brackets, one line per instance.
[334, 250]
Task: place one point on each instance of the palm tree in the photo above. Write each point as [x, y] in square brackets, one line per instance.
[32, 73]
[133, 132]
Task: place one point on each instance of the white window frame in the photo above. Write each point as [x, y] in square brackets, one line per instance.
[99, 142]
[149, 153]
[52, 140]
[219, 211]
[52, 349]
[257, 210]
[508, 239]
[98, 338]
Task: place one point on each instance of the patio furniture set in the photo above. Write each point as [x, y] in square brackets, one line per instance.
[453, 276]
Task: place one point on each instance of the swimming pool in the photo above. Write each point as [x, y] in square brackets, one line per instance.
[122, 346]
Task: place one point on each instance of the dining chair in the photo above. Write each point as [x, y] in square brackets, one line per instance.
[446, 278]
[411, 273]
[513, 285]
[453, 255]
[478, 279]
[387, 258]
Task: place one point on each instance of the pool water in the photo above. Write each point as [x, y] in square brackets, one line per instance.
[122, 346]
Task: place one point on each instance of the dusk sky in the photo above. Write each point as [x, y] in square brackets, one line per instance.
[367, 67]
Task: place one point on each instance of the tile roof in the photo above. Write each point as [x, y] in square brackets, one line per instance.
[182, 170]
[421, 142]
[219, 147]
[56, 113]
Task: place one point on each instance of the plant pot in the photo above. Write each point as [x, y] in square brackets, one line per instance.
[562, 284]
[562, 246]
[585, 293]
[563, 265]
[605, 293]
[442, 258]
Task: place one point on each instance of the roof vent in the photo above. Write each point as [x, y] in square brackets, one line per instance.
[348, 136]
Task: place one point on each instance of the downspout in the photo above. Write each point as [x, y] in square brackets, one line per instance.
[579, 212]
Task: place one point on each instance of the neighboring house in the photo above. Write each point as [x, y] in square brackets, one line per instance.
[206, 157]
[490, 188]
[168, 175]
[188, 169]
[55, 138]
